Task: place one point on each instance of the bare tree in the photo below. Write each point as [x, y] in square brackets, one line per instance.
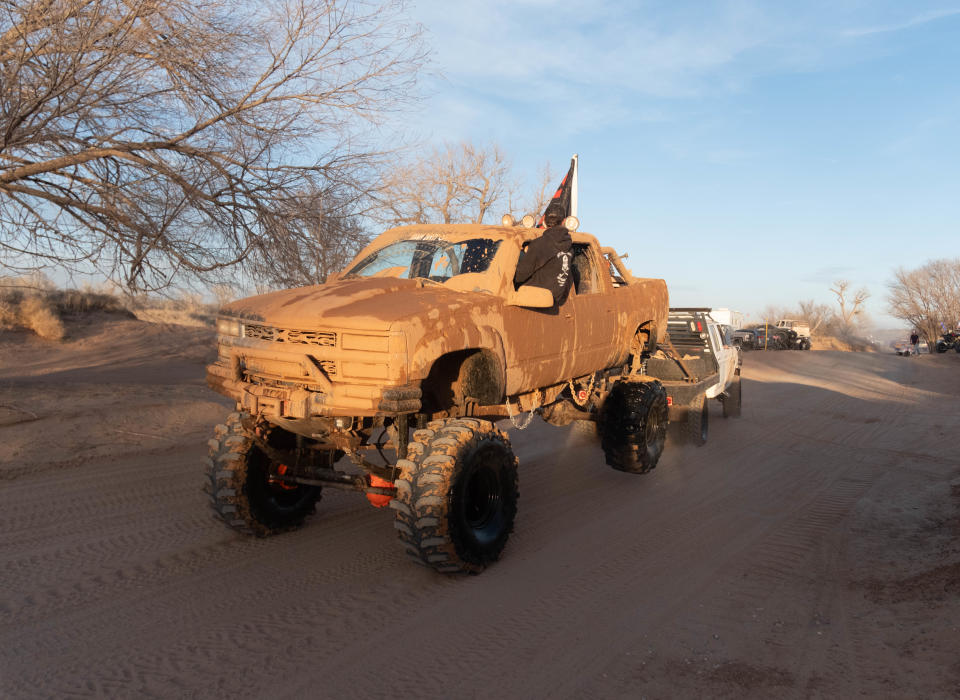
[458, 183]
[319, 232]
[851, 309]
[152, 138]
[927, 298]
[816, 315]
[770, 314]
[520, 201]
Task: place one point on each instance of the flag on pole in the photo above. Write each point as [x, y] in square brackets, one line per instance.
[566, 195]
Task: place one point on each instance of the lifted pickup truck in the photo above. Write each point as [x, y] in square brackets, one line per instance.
[694, 364]
[425, 332]
[802, 341]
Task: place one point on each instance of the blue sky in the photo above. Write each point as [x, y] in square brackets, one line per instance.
[749, 153]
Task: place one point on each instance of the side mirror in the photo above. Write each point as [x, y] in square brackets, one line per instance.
[530, 296]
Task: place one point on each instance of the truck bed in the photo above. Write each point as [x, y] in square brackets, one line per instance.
[686, 341]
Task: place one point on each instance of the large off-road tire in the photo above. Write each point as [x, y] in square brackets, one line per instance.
[241, 491]
[733, 400]
[456, 495]
[941, 346]
[633, 425]
[697, 421]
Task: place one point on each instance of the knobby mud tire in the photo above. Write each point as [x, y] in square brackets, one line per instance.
[457, 495]
[697, 422]
[239, 487]
[733, 401]
[633, 426]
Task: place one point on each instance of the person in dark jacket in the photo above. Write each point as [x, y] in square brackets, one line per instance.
[547, 261]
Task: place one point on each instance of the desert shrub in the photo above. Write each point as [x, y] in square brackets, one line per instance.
[9, 313]
[37, 315]
[77, 301]
[10, 293]
[48, 305]
[847, 342]
[187, 308]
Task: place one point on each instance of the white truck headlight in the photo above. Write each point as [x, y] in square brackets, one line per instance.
[229, 326]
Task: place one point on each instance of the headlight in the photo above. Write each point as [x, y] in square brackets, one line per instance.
[229, 326]
[365, 370]
[370, 343]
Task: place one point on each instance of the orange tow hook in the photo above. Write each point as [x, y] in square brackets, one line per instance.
[379, 500]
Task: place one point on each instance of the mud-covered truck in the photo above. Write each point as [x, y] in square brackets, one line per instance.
[415, 349]
[694, 364]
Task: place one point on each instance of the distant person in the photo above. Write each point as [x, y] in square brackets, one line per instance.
[915, 342]
[547, 261]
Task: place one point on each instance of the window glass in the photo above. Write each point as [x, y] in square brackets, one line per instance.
[615, 277]
[584, 273]
[437, 260]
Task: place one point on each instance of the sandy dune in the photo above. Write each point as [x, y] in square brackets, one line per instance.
[810, 549]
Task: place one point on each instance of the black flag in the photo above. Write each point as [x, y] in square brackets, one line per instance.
[563, 197]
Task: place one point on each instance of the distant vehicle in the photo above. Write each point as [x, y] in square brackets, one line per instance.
[801, 329]
[727, 317]
[695, 364]
[744, 338]
[773, 338]
[949, 341]
[905, 348]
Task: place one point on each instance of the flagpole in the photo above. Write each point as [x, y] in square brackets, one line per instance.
[574, 187]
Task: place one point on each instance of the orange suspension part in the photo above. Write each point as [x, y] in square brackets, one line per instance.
[379, 500]
[281, 470]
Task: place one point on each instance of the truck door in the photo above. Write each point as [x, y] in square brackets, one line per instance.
[596, 344]
[726, 355]
[539, 344]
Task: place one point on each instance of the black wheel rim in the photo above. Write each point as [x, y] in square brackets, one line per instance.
[656, 429]
[482, 497]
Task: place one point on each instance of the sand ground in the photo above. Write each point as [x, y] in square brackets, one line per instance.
[810, 549]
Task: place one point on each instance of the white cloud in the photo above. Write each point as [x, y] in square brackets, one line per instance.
[536, 47]
[915, 21]
[535, 66]
[523, 70]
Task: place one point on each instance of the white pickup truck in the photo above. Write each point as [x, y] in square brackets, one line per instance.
[800, 328]
[694, 364]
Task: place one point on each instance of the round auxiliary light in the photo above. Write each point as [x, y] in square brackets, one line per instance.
[508, 220]
[571, 223]
[527, 221]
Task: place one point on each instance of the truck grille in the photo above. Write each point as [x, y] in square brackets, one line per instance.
[288, 335]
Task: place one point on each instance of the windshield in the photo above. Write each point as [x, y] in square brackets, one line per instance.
[435, 260]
